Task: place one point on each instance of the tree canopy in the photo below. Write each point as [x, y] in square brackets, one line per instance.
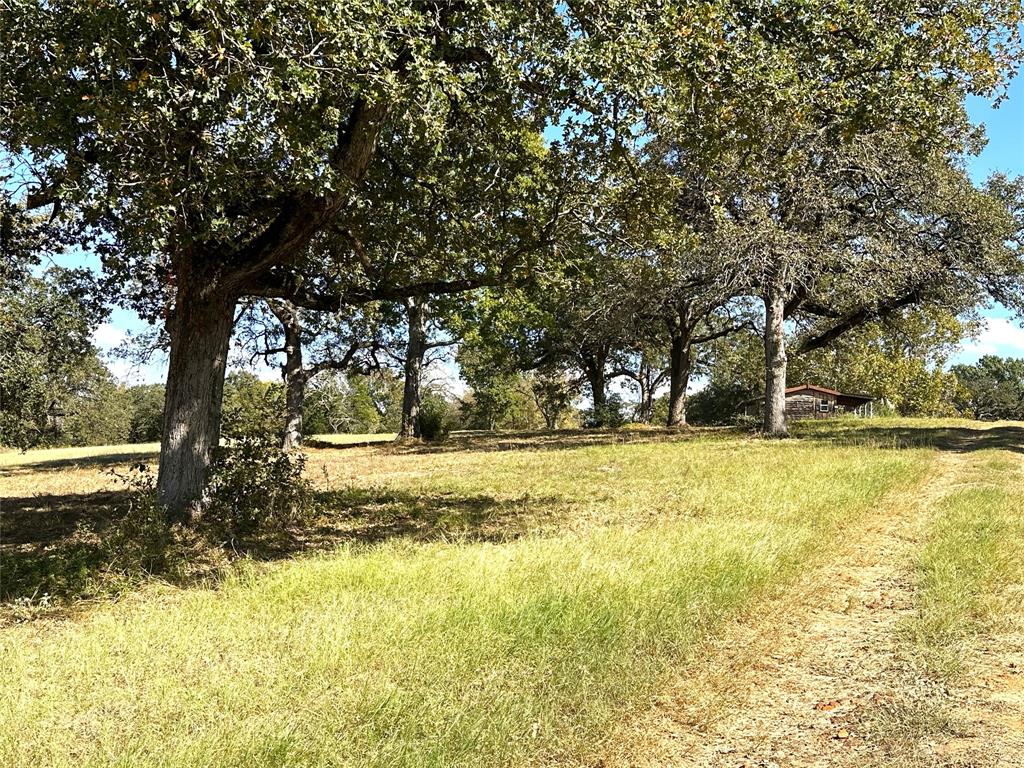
[606, 185]
[46, 350]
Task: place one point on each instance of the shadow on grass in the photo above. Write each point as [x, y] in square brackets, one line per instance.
[71, 546]
[99, 461]
[466, 441]
[957, 439]
[372, 515]
[46, 519]
[54, 545]
[75, 546]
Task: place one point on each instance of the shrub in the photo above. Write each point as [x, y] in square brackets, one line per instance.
[142, 539]
[608, 415]
[255, 487]
[143, 543]
[434, 419]
[746, 421]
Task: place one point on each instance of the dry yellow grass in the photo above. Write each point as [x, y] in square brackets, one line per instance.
[499, 600]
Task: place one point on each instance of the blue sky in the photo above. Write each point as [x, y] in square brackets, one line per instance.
[1001, 334]
[1004, 126]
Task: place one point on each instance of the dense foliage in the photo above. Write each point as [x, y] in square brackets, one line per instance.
[992, 388]
[353, 403]
[585, 193]
[902, 363]
[47, 358]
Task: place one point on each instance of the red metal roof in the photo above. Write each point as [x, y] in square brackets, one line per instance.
[827, 391]
[815, 387]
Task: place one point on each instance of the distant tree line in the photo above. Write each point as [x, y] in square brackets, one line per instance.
[992, 388]
[54, 387]
[58, 391]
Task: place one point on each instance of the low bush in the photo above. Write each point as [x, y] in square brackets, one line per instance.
[141, 540]
[434, 419]
[256, 488]
[608, 415]
[747, 421]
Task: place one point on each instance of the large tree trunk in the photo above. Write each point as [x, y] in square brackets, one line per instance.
[200, 330]
[295, 376]
[775, 357]
[680, 328]
[417, 314]
[594, 367]
[646, 407]
[294, 405]
[203, 319]
[679, 379]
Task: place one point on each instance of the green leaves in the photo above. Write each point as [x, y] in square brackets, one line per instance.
[992, 388]
[46, 351]
[613, 147]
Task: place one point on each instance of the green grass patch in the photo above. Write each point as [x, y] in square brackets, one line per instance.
[970, 565]
[448, 650]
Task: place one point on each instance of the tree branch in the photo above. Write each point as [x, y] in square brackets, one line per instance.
[720, 333]
[854, 319]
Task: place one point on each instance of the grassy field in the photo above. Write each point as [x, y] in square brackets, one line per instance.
[500, 600]
[379, 437]
[970, 572]
[70, 456]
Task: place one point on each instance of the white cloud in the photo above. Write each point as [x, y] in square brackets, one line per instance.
[123, 370]
[131, 373]
[107, 336]
[999, 336]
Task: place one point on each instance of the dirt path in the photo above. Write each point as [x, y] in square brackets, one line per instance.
[814, 676]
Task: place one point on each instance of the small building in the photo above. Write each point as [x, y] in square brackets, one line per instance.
[809, 401]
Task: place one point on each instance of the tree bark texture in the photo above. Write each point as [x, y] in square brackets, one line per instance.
[202, 320]
[680, 324]
[594, 368]
[775, 357]
[295, 376]
[681, 363]
[417, 315]
[200, 330]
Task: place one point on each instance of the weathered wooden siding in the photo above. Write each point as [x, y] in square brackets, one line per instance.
[807, 405]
